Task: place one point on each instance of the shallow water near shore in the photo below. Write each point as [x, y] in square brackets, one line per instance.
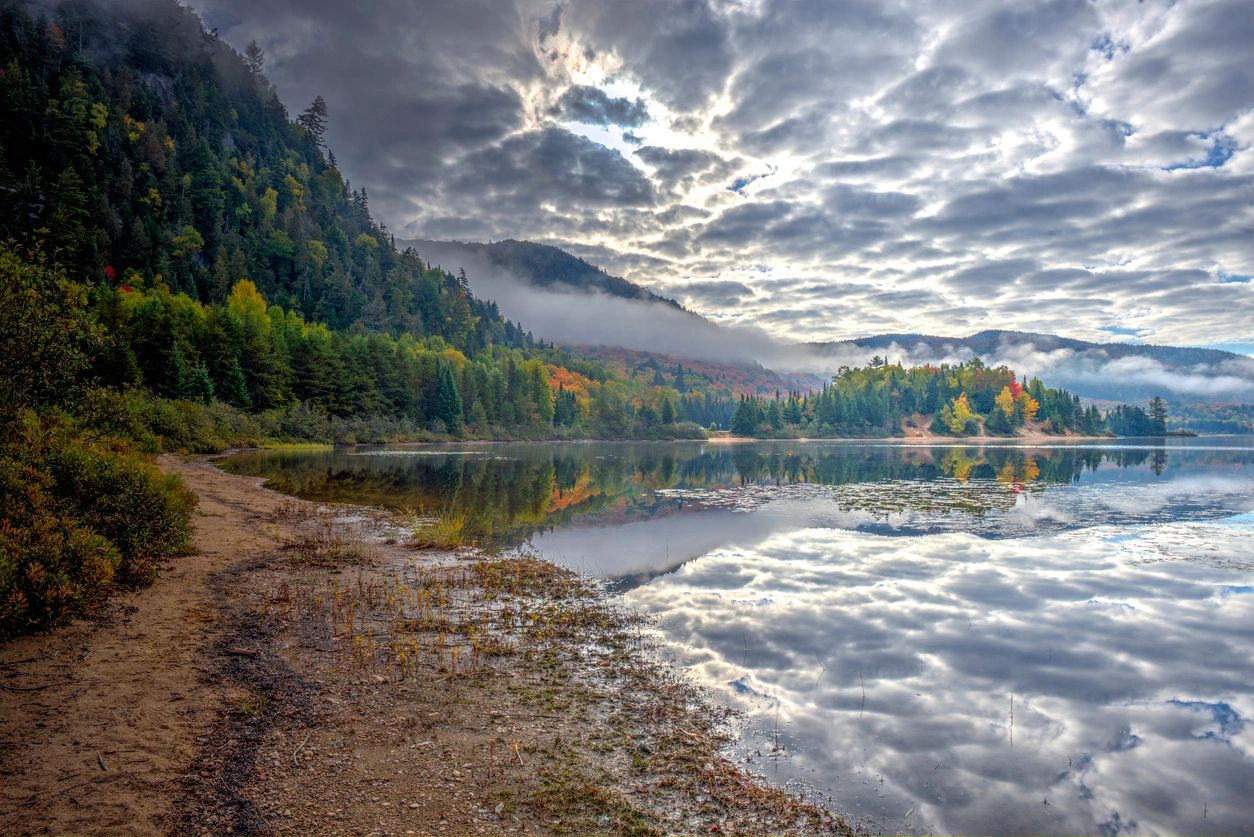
[1008, 638]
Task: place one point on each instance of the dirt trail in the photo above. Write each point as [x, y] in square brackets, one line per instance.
[101, 718]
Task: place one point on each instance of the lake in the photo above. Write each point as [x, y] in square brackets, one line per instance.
[1010, 638]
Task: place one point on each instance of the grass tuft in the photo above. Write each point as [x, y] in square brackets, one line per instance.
[444, 530]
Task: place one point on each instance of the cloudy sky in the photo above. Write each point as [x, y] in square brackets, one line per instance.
[821, 169]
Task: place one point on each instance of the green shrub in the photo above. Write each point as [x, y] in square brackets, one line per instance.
[142, 512]
[51, 569]
[80, 515]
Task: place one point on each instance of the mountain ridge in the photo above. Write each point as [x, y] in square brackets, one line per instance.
[989, 339]
[542, 265]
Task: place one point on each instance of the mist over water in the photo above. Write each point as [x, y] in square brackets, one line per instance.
[1009, 638]
[572, 316]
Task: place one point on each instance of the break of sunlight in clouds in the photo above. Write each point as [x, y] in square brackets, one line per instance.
[815, 170]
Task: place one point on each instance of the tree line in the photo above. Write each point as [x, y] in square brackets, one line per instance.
[964, 399]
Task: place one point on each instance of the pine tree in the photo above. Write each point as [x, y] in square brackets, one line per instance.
[745, 420]
[314, 120]
[199, 385]
[234, 388]
[448, 402]
[254, 58]
[175, 383]
[774, 415]
[681, 384]
[667, 412]
[1158, 414]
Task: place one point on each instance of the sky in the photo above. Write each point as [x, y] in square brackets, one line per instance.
[820, 170]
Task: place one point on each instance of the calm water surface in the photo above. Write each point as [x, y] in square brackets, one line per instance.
[1049, 639]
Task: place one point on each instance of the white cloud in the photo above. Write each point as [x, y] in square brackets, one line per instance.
[936, 167]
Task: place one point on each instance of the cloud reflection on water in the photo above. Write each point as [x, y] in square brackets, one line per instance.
[1131, 674]
[1104, 586]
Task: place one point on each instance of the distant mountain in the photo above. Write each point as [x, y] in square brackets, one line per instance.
[1098, 371]
[540, 265]
[992, 341]
[568, 300]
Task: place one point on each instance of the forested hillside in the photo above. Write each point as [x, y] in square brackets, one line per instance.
[182, 266]
[144, 152]
[228, 260]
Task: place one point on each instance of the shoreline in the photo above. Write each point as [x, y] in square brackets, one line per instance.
[307, 671]
[721, 438]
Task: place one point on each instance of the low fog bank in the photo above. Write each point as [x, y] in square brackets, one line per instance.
[571, 316]
[568, 315]
[1091, 372]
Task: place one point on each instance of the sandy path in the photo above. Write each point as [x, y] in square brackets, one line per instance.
[128, 692]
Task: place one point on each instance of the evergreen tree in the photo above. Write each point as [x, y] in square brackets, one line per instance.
[775, 416]
[746, 418]
[999, 422]
[176, 377]
[681, 383]
[254, 58]
[314, 119]
[448, 402]
[234, 387]
[199, 385]
[667, 411]
[1158, 414]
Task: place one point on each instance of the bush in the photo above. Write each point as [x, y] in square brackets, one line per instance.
[51, 569]
[79, 517]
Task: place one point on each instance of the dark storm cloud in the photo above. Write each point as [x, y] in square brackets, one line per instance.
[596, 107]
[409, 86]
[932, 164]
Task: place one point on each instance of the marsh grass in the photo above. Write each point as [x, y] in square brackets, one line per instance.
[570, 653]
[321, 540]
[443, 530]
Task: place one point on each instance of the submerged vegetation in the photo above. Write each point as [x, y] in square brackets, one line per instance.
[504, 496]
